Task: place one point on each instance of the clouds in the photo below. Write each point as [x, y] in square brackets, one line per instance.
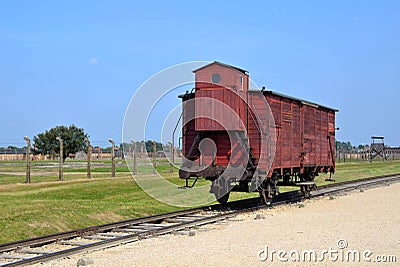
[93, 61]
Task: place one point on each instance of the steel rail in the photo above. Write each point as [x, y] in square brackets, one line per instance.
[247, 204]
[118, 240]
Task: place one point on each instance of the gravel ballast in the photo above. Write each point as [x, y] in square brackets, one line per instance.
[365, 223]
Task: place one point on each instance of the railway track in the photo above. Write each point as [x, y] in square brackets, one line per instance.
[50, 247]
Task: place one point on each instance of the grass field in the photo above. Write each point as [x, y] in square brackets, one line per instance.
[47, 206]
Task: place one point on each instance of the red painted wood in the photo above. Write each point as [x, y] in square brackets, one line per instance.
[301, 128]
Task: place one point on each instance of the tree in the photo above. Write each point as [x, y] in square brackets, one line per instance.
[343, 145]
[72, 136]
[149, 146]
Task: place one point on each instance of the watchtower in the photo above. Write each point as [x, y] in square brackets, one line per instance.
[377, 148]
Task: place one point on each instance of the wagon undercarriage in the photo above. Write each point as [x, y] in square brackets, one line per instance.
[251, 180]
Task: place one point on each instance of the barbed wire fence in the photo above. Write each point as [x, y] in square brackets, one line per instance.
[346, 155]
[101, 155]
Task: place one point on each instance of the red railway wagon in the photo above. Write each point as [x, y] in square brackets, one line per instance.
[252, 140]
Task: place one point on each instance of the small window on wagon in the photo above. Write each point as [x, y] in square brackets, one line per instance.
[216, 78]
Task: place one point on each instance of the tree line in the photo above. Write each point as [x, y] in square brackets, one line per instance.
[74, 139]
[348, 146]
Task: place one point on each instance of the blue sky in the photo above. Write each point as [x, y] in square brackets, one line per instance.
[80, 62]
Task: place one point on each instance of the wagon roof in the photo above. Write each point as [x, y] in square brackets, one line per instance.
[222, 64]
[304, 102]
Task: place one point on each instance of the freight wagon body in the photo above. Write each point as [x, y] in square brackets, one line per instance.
[252, 140]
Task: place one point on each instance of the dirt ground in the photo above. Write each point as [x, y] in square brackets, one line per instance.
[336, 231]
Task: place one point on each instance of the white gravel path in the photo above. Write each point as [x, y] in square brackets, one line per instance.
[367, 221]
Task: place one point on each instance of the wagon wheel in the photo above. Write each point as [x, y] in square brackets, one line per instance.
[314, 187]
[311, 176]
[305, 191]
[265, 196]
[223, 199]
[220, 190]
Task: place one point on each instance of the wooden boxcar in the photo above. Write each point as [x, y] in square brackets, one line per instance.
[252, 140]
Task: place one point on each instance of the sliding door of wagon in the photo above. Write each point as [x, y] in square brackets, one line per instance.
[325, 153]
[331, 137]
[290, 134]
[286, 134]
[309, 140]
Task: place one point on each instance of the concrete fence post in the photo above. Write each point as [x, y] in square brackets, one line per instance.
[60, 170]
[28, 160]
[112, 157]
[154, 158]
[134, 157]
[89, 155]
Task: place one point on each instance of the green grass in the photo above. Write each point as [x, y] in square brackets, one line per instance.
[51, 176]
[43, 208]
[97, 169]
[48, 206]
[358, 170]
